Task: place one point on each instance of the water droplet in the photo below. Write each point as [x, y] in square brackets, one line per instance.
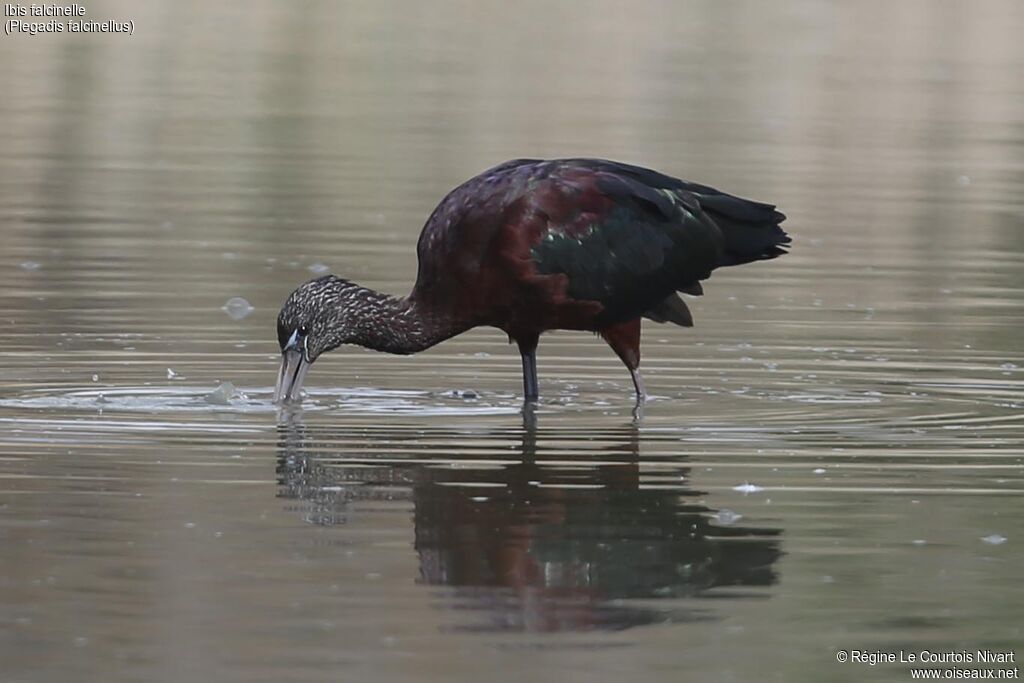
[468, 394]
[318, 268]
[963, 180]
[237, 308]
[224, 394]
[30, 265]
[747, 487]
[727, 517]
[171, 374]
[819, 470]
[95, 378]
[994, 539]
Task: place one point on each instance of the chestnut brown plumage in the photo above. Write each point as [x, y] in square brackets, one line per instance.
[531, 246]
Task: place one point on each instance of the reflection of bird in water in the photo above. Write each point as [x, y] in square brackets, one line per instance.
[549, 542]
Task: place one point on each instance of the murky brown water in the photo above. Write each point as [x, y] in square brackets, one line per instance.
[833, 456]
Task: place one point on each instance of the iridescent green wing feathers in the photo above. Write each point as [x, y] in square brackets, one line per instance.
[626, 237]
[630, 238]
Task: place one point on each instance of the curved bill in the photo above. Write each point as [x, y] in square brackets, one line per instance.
[294, 367]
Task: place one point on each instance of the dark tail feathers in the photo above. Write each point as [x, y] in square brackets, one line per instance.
[751, 229]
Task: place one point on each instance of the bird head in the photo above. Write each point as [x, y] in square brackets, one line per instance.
[312, 321]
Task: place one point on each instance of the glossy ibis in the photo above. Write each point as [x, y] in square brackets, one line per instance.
[531, 246]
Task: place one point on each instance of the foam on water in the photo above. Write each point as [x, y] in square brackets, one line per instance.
[228, 397]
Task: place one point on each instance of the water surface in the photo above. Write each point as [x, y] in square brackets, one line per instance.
[832, 457]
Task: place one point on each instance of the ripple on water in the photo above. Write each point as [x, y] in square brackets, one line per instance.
[228, 397]
[141, 400]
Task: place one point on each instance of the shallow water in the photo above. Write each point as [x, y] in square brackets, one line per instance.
[831, 459]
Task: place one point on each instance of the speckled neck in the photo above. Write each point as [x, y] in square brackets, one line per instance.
[398, 324]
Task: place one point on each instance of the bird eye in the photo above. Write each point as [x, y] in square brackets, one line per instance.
[303, 330]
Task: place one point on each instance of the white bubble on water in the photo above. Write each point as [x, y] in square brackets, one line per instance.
[747, 487]
[224, 394]
[318, 268]
[237, 308]
[994, 539]
[30, 265]
[727, 517]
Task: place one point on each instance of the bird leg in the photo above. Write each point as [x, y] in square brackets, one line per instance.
[638, 383]
[624, 338]
[528, 350]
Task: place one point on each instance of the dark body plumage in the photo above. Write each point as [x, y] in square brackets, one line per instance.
[583, 244]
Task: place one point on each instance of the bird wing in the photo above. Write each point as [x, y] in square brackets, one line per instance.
[622, 237]
[630, 238]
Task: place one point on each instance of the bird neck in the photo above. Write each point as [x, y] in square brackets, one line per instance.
[401, 325]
